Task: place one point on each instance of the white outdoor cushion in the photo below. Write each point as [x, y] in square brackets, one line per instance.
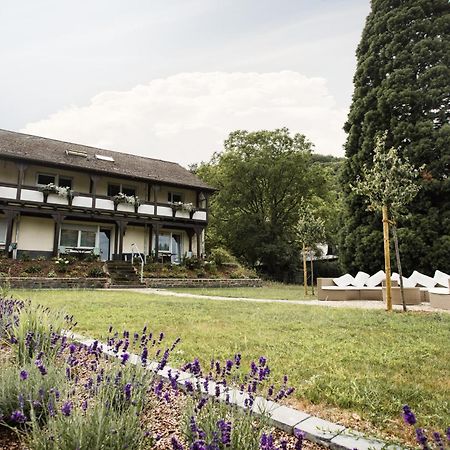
[407, 283]
[345, 280]
[423, 280]
[376, 279]
[441, 278]
[395, 277]
[440, 291]
[360, 279]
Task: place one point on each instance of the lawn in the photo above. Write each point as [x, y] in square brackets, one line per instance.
[366, 362]
[268, 291]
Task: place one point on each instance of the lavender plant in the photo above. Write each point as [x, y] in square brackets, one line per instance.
[215, 422]
[9, 317]
[438, 440]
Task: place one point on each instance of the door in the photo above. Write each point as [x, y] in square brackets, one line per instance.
[104, 243]
[176, 249]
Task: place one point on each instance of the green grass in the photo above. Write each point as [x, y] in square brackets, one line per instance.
[368, 362]
[268, 291]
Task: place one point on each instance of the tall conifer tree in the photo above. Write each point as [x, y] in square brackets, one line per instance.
[402, 84]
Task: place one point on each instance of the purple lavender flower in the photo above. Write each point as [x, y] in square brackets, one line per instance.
[175, 444]
[41, 367]
[189, 386]
[72, 348]
[144, 356]
[438, 439]
[84, 405]
[125, 357]
[23, 375]
[51, 408]
[422, 438]
[161, 337]
[201, 403]
[300, 435]
[127, 390]
[228, 365]
[18, 417]
[66, 408]
[110, 329]
[262, 361]
[448, 434]
[408, 415]
[225, 431]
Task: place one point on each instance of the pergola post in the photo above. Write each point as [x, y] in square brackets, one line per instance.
[58, 218]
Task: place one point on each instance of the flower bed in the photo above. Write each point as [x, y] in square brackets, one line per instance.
[63, 267]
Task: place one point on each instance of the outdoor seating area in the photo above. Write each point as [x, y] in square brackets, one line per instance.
[418, 288]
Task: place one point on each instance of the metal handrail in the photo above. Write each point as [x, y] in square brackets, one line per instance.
[140, 257]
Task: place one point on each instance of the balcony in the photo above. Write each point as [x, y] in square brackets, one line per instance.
[30, 195]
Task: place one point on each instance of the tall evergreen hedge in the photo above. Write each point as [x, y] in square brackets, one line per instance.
[402, 84]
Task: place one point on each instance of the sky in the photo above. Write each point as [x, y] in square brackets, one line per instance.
[170, 79]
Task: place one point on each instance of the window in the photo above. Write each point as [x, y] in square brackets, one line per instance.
[175, 197]
[43, 179]
[3, 226]
[65, 182]
[114, 189]
[73, 237]
[87, 238]
[164, 243]
[69, 238]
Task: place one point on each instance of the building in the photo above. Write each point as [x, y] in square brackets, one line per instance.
[58, 197]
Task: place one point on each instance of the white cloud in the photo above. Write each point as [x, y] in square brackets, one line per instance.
[186, 117]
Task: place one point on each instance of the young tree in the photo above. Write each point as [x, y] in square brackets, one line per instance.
[401, 84]
[388, 186]
[310, 232]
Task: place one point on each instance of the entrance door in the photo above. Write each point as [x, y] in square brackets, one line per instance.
[104, 243]
[176, 249]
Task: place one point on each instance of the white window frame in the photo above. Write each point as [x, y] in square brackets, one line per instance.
[81, 228]
[55, 175]
[123, 186]
[170, 234]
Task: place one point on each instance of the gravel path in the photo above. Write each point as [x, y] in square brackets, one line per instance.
[331, 304]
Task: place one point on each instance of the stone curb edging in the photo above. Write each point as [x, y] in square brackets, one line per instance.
[288, 419]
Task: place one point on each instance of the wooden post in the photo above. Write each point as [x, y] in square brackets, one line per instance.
[94, 179]
[122, 229]
[305, 271]
[10, 216]
[150, 239]
[157, 228]
[387, 258]
[190, 233]
[399, 265]
[312, 271]
[20, 177]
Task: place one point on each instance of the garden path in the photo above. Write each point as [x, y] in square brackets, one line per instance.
[331, 304]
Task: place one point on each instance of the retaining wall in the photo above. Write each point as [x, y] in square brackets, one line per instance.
[53, 283]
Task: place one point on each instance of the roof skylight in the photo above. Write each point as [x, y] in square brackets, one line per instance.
[104, 158]
[76, 153]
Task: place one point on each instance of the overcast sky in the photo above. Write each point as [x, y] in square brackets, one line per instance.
[170, 79]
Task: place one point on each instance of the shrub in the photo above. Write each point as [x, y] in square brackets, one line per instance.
[25, 256]
[51, 274]
[221, 256]
[96, 272]
[192, 262]
[211, 267]
[62, 264]
[33, 269]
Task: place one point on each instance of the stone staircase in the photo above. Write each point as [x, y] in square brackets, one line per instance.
[123, 275]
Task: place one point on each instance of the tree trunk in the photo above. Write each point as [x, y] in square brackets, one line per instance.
[387, 258]
[312, 272]
[305, 271]
[399, 265]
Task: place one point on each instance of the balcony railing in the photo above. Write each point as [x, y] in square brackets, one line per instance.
[31, 194]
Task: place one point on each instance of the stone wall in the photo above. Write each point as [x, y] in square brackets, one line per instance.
[201, 282]
[53, 283]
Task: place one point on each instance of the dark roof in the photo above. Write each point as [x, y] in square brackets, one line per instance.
[51, 151]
